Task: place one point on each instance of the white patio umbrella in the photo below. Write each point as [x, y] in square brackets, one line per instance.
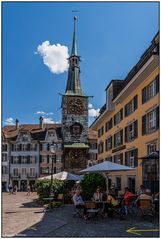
[106, 167]
[64, 176]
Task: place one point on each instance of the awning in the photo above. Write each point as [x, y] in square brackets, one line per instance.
[154, 155]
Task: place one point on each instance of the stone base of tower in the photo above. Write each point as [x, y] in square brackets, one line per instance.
[75, 159]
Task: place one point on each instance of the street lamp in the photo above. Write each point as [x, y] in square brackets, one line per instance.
[53, 152]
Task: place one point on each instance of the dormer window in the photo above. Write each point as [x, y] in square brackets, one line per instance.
[24, 137]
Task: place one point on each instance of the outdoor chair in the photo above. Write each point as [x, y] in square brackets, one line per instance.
[92, 209]
[146, 207]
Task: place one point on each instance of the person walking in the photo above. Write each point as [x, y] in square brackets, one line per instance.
[28, 190]
[15, 189]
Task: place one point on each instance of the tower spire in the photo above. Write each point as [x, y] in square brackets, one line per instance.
[74, 46]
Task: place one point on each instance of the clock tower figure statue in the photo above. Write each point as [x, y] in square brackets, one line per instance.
[74, 116]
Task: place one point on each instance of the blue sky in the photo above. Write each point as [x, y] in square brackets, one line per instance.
[111, 37]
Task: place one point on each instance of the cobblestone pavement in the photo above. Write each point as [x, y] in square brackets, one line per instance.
[23, 218]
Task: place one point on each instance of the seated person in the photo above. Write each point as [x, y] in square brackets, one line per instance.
[79, 203]
[111, 202]
[98, 197]
[141, 190]
[145, 195]
[128, 197]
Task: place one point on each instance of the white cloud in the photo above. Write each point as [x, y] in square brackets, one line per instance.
[43, 113]
[9, 121]
[90, 106]
[50, 121]
[93, 112]
[54, 56]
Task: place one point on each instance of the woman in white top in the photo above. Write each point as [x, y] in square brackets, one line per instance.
[98, 196]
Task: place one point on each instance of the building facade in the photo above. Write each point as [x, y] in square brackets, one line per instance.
[26, 153]
[128, 124]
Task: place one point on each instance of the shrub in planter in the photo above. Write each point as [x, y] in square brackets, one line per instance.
[90, 182]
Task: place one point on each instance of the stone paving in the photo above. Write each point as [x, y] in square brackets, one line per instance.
[23, 218]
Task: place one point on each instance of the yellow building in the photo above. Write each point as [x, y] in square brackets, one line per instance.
[128, 124]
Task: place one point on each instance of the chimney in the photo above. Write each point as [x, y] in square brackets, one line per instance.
[41, 122]
[17, 123]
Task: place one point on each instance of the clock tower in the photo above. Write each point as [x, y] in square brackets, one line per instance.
[74, 116]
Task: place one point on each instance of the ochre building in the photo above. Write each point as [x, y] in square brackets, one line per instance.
[128, 124]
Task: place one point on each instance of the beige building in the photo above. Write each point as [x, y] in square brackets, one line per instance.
[128, 124]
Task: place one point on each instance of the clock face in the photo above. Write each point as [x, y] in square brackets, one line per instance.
[75, 106]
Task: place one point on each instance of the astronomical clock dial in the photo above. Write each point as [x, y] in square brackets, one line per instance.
[75, 106]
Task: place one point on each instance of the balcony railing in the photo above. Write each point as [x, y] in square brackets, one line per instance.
[32, 175]
[15, 175]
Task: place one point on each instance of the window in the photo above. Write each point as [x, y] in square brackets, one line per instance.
[32, 159]
[32, 172]
[108, 125]
[93, 146]
[33, 147]
[45, 146]
[131, 106]
[109, 143]
[118, 158]
[118, 117]
[131, 158]
[93, 156]
[23, 159]
[24, 171]
[150, 121]
[43, 159]
[118, 138]
[151, 148]
[45, 170]
[16, 159]
[100, 131]
[24, 137]
[131, 131]
[4, 147]
[151, 90]
[4, 157]
[4, 170]
[15, 171]
[100, 148]
[58, 158]
[118, 183]
[108, 158]
[58, 170]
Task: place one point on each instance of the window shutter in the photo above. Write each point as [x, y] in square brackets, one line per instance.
[19, 159]
[40, 158]
[114, 140]
[114, 119]
[40, 147]
[12, 147]
[144, 124]
[121, 158]
[157, 117]
[121, 134]
[11, 159]
[135, 102]
[48, 147]
[125, 110]
[157, 84]
[126, 155]
[135, 157]
[47, 158]
[28, 159]
[135, 129]
[111, 142]
[20, 147]
[144, 99]
[106, 148]
[28, 147]
[126, 134]
[121, 114]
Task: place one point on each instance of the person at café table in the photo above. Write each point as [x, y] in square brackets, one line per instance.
[79, 203]
[111, 202]
[98, 197]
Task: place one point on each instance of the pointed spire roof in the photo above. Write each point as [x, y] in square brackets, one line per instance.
[74, 46]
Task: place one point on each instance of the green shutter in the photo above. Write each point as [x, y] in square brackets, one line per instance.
[157, 84]
[157, 117]
[126, 155]
[125, 111]
[126, 134]
[135, 129]
[135, 157]
[135, 102]
[144, 124]
[144, 93]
